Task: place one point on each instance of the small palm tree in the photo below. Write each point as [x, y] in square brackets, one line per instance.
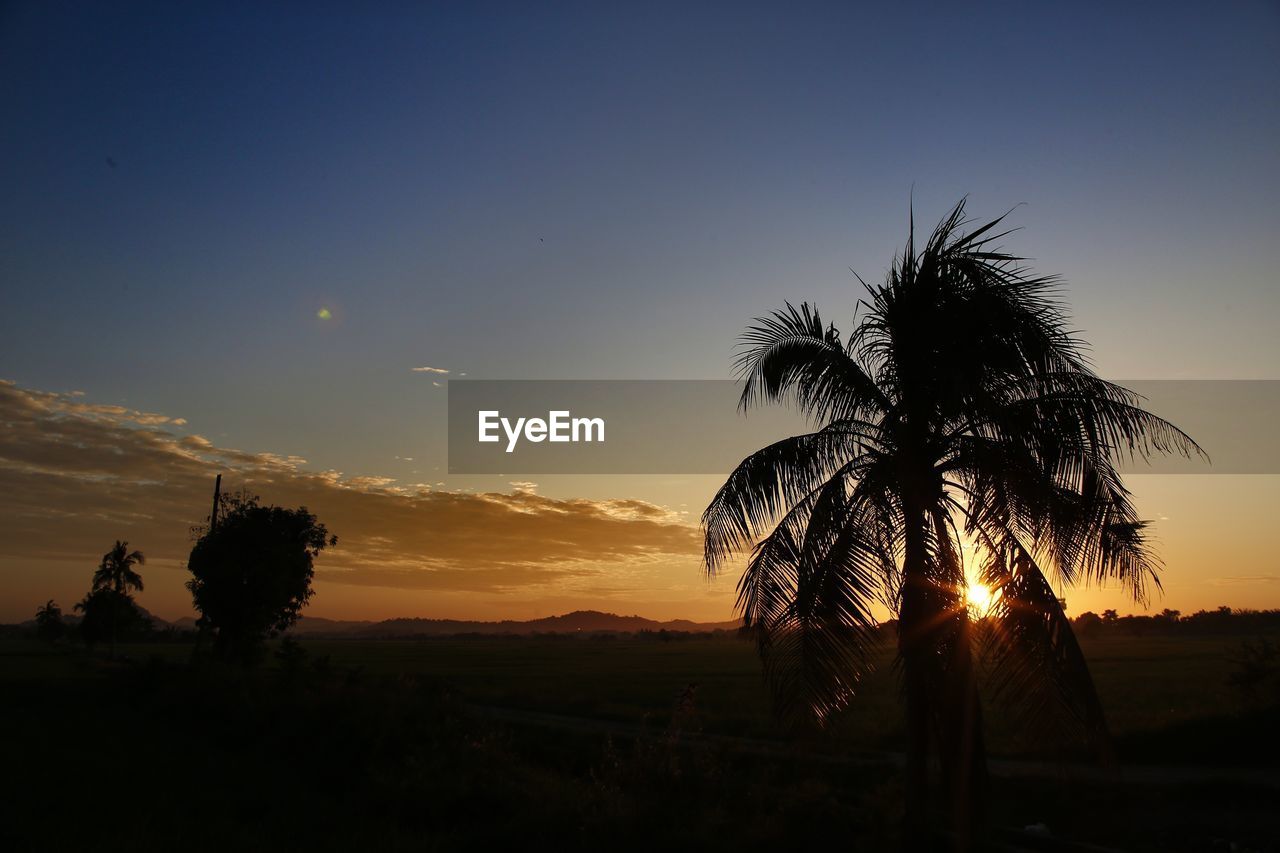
[49, 624]
[959, 412]
[115, 573]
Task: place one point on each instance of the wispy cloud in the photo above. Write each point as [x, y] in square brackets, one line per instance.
[1240, 580]
[75, 477]
[440, 370]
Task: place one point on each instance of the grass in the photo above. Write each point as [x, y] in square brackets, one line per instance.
[382, 748]
[1147, 684]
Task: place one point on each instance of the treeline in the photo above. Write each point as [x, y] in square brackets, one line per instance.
[1220, 621]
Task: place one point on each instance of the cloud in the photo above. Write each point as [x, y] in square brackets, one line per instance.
[68, 403]
[74, 477]
[429, 370]
[1238, 580]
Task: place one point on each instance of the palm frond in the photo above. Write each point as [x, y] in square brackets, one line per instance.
[768, 482]
[1033, 661]
[790, 356]
[814, 624]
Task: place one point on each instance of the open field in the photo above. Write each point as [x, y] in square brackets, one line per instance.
[411, 742]
[1149, 685]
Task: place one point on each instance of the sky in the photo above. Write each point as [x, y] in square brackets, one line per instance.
[563, 192]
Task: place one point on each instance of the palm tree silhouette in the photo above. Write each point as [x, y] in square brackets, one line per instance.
[960, 412]
[49, 620]
[115, 573]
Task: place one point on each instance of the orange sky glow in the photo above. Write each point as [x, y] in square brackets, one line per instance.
[76, 476]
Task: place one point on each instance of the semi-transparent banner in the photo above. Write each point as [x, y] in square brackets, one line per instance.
[696, 427]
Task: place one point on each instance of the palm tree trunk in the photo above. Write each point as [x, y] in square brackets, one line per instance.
[964, 756]
[916, 820]
[115, 613]
[942, 709]
[913, 631]
[115, 607]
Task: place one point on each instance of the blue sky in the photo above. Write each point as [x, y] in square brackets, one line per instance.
[565, 191]
[596, 191]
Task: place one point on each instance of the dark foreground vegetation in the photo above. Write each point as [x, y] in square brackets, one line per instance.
[587, 743]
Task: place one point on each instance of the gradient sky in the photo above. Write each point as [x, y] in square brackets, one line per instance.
[579, 192]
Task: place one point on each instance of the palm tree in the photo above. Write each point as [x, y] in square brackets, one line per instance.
[49, 625]
[959, 412]
[115, 573]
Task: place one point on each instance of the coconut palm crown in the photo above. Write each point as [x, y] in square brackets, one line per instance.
[116, 573]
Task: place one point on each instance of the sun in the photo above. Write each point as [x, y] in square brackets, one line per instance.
[979, 597]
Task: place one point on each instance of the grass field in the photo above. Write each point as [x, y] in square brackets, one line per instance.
[457, 742]
[1148, 685]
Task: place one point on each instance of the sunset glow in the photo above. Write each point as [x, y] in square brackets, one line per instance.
[979, 599]
[337, 258]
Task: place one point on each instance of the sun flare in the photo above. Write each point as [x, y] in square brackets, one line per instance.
[979, 597]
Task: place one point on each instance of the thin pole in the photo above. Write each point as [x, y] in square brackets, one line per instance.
[217, 493]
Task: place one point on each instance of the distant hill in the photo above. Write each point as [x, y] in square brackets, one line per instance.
[580, 621]
[307, 625]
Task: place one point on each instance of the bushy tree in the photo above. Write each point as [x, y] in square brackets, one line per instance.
[251, 574]
[108, 616]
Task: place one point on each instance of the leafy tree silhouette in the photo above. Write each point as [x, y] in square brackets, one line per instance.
[251, 575]
[110, 615]
[959, 407]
